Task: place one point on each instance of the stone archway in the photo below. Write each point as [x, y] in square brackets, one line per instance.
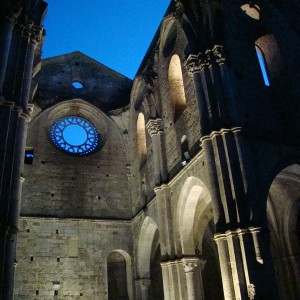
[196, 230]
[119, 275]
[148, 261]
[283, 212]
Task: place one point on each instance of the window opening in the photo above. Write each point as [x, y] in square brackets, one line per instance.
[29, 153]
[77, 85]
[75, 135]
[176, 85]
[252, 10]
[263, 66]
[141, 136]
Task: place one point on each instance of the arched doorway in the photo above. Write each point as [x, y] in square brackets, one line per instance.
[119, 276]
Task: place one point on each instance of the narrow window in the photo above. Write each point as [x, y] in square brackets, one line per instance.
[141, 136]
[29, 156]
[176, 86]
[263, 66]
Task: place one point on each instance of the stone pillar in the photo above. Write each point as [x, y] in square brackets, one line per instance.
[145, 284]
[189, 265]
[163, 196]
[16, 57]
[6, 30]
[154, 127]
[35, 37]
[245, 274]
[224, 260]
[196, 65]
[166, 280]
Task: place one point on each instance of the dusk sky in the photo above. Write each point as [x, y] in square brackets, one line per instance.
[116, 33]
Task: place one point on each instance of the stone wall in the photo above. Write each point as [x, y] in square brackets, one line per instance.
[69, 253]
[59, 184]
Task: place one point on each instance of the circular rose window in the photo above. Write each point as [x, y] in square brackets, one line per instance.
[75, 135]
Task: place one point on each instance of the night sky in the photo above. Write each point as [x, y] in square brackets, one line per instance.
[116, 33]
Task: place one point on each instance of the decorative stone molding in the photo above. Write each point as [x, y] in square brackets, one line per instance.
[189, 264]
[154, 126]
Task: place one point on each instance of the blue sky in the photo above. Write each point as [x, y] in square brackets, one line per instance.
[116, 33]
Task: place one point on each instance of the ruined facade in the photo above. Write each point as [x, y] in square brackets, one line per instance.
[187, 183]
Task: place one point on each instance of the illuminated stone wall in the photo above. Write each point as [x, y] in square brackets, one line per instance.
[71, 254]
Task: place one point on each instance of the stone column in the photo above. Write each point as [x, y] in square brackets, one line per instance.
[163, 196]
[35, 37]
[224, 260]
[145, 284]
[166, 280]
[189, 265]
[6, 29]
[154, 127]
[196, 65]
[229, 114]
[14, 115]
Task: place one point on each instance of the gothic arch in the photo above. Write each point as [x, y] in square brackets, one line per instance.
[194, 198]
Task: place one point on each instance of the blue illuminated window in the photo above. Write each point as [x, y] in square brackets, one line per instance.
[75, 135]
[263, 66]
[77, 85]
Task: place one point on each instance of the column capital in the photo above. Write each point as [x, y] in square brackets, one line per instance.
[190, 263]
[11, 14]
[219, 54]
[197, 62]
[154, 126]
[36, 34]
[179, 9]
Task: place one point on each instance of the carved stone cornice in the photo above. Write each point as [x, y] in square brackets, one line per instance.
[154, 126]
